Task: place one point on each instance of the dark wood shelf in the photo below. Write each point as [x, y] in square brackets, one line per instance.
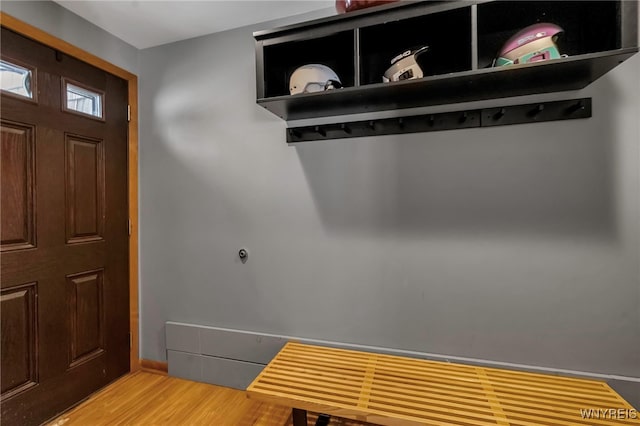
[570, 73]
[598, 36]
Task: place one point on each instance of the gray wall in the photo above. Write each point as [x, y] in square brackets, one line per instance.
[60, 22]
[513, 244]
[516, 244]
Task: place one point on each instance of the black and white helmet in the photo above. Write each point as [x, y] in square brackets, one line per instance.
[313, 78]
[405, 66]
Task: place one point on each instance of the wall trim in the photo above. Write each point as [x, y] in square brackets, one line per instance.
[424, 355]
[155, 367]
[47, 39]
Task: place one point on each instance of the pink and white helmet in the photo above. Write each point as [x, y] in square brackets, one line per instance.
[532, 44]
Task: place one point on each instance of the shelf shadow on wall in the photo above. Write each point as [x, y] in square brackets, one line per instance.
[543, 178]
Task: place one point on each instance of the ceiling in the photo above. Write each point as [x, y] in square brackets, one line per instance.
[148, 23]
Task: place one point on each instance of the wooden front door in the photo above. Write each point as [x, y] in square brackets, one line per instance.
[64, 250]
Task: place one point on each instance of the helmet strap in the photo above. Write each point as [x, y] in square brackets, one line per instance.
[332, 84]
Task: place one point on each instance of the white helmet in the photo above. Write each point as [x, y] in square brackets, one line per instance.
[313, 78]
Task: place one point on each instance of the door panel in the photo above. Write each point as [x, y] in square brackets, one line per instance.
[86, 310]
[19, 334]
[84, 170]
[17, 150]
[64, 264]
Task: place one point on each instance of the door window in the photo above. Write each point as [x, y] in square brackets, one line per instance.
[16, 79]
[83, 100]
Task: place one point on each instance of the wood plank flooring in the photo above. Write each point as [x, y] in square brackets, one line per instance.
[152, 399]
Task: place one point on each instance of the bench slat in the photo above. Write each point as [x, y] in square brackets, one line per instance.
[398, 391]
[345, 354]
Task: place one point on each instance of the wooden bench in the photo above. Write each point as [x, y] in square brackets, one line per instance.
[392, 390]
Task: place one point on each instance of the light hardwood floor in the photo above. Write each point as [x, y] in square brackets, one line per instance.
[145, 398]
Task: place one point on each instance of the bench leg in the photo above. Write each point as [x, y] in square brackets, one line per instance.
[299, 417]
[323, 420]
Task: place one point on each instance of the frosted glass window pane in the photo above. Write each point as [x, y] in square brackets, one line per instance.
[15, 79]
[85, 101]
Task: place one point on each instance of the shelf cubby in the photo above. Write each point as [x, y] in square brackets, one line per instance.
[447, 33]
[589, 27]
[281, 60]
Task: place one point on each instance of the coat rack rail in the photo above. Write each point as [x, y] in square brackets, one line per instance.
[464, 119]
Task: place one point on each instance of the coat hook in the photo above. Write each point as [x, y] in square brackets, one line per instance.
[500, 114]
[576, 107]
[537, 110]
[401, 123]
[464, 117]
[372, 125]
[345, 128]
[293, 132]
[432, 120]
[320, 131]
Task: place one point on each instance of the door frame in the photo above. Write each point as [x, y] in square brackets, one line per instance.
[49, 40]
